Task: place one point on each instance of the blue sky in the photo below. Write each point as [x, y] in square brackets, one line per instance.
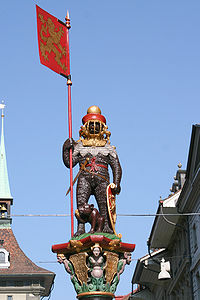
[139, 60]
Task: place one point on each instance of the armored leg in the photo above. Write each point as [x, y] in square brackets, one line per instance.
[100, 195]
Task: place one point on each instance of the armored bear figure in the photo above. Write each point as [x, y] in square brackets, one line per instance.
[88, 213]
[94, 154]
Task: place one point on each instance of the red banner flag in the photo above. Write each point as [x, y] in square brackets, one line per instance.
[52, 41]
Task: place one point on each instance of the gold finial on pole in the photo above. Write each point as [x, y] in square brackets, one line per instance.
[68, 20]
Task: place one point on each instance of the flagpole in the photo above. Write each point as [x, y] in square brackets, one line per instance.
[69, 83]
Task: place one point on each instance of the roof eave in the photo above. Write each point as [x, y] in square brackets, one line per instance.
[47, 277]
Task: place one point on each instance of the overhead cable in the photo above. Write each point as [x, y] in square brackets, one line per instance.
[119, 215]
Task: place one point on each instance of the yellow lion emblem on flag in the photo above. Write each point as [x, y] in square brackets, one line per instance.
[52, 42]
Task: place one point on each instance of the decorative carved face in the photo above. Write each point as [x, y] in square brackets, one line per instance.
[127, 256]
[96, 251]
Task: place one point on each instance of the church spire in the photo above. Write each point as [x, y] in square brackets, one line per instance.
[4, 182]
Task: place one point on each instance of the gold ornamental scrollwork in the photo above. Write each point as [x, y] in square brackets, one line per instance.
[111, 265]
[94, 140]
[76, 245]
[80, 267]
[113, 244]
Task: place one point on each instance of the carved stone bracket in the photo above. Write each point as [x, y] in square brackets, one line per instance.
[95, 264]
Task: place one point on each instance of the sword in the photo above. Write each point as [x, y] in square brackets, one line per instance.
[82, 167]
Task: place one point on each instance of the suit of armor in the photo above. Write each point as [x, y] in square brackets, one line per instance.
[94, 178]
[89, 183]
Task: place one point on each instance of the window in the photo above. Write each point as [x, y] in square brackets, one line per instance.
[36, 282]
[2, 257]
[2, 283]
[9, 297]
[27, 282]
[19, 283]
[10, 283]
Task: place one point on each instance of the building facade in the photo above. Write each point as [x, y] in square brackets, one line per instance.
[189, 201]
[20, 278]
[175, 237]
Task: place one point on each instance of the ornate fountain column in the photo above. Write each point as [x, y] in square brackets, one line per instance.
[95, 263]
[94, 260]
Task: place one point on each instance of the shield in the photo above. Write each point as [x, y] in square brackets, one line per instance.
[111, 206]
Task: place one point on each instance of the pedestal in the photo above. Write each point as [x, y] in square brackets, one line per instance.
[95, 263]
